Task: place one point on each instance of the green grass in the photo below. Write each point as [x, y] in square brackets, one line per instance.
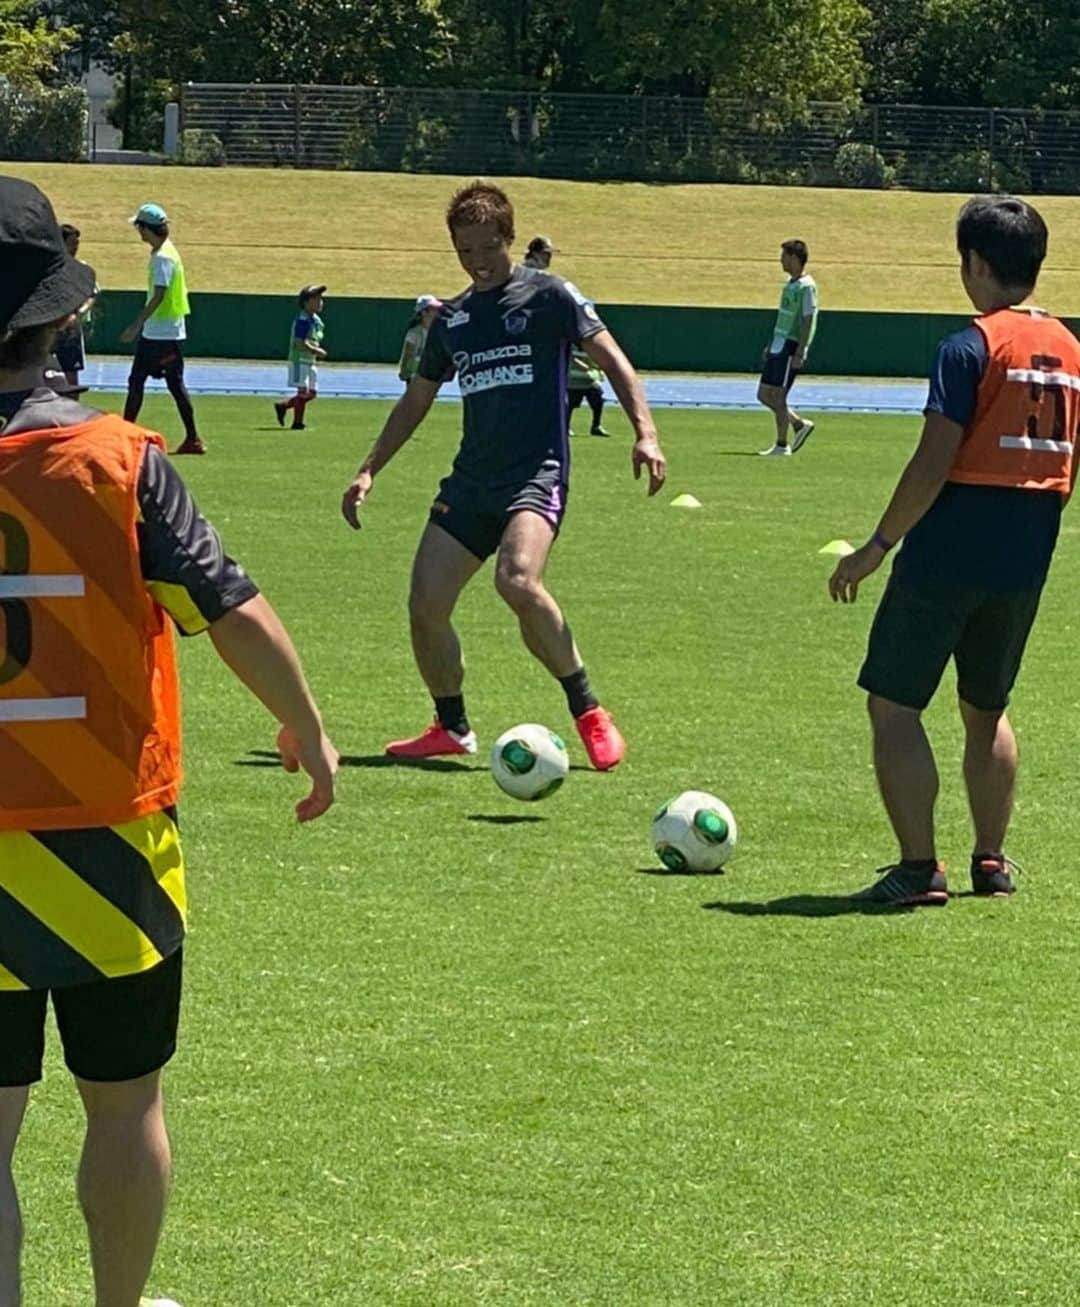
[383, 234]
[431, 1058]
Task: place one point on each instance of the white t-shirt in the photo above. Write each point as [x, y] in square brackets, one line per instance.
[162, 270]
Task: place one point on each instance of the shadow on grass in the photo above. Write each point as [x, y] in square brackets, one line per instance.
[670, 871]
[806, 905]
[738, 453]
[503, 818]
[268, 758]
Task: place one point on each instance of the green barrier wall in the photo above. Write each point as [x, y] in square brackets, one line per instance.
[657, 338]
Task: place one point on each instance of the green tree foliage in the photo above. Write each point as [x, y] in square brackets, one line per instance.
[788, 50]
[332, 41]
[980, 52]
[30, 49]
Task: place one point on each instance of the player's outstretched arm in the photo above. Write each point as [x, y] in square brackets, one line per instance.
[604, 350]
[405, 417]
[254, 644]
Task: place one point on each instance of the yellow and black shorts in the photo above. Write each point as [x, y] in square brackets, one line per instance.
[95, 917]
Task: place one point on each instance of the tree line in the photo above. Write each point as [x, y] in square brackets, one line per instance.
[946, 52]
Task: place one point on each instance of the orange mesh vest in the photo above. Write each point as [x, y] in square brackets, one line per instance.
[1024, 429]
[89, 700]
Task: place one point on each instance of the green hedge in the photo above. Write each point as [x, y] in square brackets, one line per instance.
[658, 338]
[46, 125]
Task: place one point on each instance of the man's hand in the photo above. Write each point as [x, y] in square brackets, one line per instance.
[319, 759]
[129, 333]
[647, 453]
[354, 496]
[798, 359]
[856, 567]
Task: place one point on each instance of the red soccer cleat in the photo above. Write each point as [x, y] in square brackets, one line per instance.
[435, 742]
[601, 738]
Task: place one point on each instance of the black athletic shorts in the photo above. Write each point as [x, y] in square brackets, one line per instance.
[477, 517]
[69, 352]
[778, 370]
[574, 396]
[919, 627]
[110, 1029]
[157, 358]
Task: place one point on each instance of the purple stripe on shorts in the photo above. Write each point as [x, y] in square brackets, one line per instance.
[553, 513]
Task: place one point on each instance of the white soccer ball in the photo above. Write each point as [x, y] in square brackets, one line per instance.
[694, 832]
[529, 761]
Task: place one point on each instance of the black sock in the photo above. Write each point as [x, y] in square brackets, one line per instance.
[451, 713]
[578, 695]
[919, 864]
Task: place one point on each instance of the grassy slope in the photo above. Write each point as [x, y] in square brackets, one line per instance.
[432, 1058]
[382, 234]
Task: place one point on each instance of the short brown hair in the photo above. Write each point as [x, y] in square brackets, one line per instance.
[481, 202]
[798, 248]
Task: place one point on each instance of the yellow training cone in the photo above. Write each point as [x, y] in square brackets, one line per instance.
[841, 548]
[685, 501]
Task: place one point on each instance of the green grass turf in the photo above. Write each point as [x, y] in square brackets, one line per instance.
[383, 234]
[444, 1048]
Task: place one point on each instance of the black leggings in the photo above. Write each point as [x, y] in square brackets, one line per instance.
[160, 358]
[594, 395]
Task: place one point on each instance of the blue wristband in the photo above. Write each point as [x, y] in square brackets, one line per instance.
[878, 539]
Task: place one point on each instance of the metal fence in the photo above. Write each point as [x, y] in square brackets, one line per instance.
[645, 137]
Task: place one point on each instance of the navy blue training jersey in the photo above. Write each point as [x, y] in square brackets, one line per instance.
[510, 348]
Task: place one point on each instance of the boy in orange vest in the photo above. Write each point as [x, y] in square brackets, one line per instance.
[100, 544]
[978, 508]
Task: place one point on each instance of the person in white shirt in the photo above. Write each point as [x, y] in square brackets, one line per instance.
[160, 326]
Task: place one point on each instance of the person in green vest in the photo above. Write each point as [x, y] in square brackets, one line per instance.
[305, 350]
[584, 384]
[785, 355]
[160, 328]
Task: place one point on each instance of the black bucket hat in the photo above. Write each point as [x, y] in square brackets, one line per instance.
[39, 280]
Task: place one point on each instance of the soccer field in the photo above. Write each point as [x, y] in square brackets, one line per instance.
[265, 230]
[442, 1048]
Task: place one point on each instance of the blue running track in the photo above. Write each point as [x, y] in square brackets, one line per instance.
[664, 391]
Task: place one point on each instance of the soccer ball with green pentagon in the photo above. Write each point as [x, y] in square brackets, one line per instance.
[529, 761]
[694, 832]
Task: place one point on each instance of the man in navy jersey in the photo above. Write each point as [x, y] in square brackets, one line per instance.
[508, 339]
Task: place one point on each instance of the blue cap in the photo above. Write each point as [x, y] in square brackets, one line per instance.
[150, 215]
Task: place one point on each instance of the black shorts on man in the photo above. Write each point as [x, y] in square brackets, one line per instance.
[778, 369]
[157, 358]
[111, 1030]
[69, 351]
[477, 516]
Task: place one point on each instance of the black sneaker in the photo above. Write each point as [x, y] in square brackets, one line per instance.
[802, 435]
[907, 887]
[298, 426]
[990, 877]
[598, 431]
[280, 411]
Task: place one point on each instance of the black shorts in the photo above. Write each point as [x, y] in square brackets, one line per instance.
[918, 628]
[69, 352]
[575, 396]
[477, 517]
[111, 1030]
[157, 358]
[778, 370]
